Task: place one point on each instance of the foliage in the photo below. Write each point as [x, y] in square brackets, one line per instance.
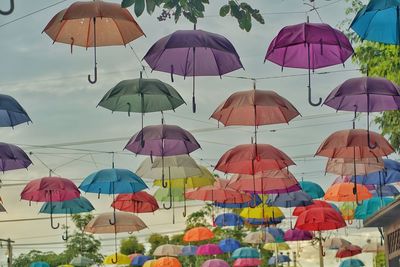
[156, 240]
[192, 10]
[51, 258]
[200, 218]
[131, 245]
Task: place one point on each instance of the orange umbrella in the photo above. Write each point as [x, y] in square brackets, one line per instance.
[93, 24]
[167, 262]
[198, 234]
[347, 167]
[344, 192]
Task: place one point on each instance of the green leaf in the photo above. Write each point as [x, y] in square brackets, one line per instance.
[178, 13]
[190, 17]
[150, 6]
[258, 17]
[245, 22]
[224, 10]
[127, 3]
[139, 7]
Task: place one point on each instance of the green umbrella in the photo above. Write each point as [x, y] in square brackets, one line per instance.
[81, 261]
[164, 195]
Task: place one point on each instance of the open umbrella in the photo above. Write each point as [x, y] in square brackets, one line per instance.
[193, 53]
[247, 262]
[335, 243]
[39, 264]
[312, 189]
[255, 201]
[246, 252]
[215, 263]
[229, 245]
[278, 259]
[352, 263]
[344, 192]
[81, 261]
[150, 263]
[118, 259]
[258, 238]
[209, 250]
[345, 167]
[276, 246]
[277, 233]
[371, 206]
[316, 204]
[168, 250]
[11, 112]
[228, 219]
[298, 235]
[167, 262]
[198, 234]
[347, 209]
[389, 175]
[387, 190]
[189, 250]
[140, 260]
[13, 158]
[93, 24]
[309, 46]
[348, 251]
[203, 179]
[140, 202]
[262, 212]
[290, 200]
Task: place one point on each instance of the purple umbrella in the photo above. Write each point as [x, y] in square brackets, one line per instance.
[209, 250]
[309, 46]
[193, 53]
[215, 263]
[298, 235]
[365, 94]
[13, 158]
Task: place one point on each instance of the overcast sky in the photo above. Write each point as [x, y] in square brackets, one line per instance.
[51, 84]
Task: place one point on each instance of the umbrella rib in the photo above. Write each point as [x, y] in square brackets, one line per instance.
[120, 33]
[216, 63]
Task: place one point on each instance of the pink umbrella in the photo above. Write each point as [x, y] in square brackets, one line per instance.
[209, 250]
[247, 262]
[215, 263]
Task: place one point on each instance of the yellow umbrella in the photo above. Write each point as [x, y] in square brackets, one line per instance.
[150, 263]
[120, 260]
[276, 246]
[66, 265]
[258, 213]
[206, 178]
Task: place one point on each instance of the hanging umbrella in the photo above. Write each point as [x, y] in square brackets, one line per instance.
[9, 11]
[351, 263]
[140, 202]
[193, 53]
[348, 209]
[344, 192]
[139, 260]
[11, 112]
[93, 24]
[348, 251]
[246, 252]
[278, 259]
[205, 178]
[50, 189]
[209, 250]
[317, 204]
[215, 263]
[255, 200]
[371, 206]
[314, 190]
[134, 255]
[81, 261]
[39, 264]
[276, 246]
[168, 250]
[389, 175]
[372, 247]
[346, 167]
[150, 263]
[12, 157]
[162, 194]
[73, 206]
[258, 238]
[228, 219]
[117, 259]
[229, 245]
[378, 22]
[263, 212]
[247, 262]
[309, 46]
[387, 190]
[335, 243]
[167, 262]
[298, 235]
[141, 96]
[198, 234]
[189, 250]
[277, 233]
[290, 200]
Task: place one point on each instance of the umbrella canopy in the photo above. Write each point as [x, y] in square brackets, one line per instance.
[348, 251]
[316, 204]
[298, 235]
[387, 190]
[262, 212]
[229, 245]
[352, 263]
[198, 234]
[255, 108]
[167, 262]
[258, 238]
[346, 167]
[378, 22]
[320, 219]
[289, 200]
[253, 158]
[246, 252]
[150, 263]
[215, 263]
[389, 175]
[348, 209]
[140, 202]
[189, 250]
[217, 193]
[255, 200]
[168, 250]
[344, 192]
[93, 24]
[73, 206]
[335, 243]
[371, 206]
[140, 260]
[247, 262]
[278, 259]
[162, 194]
[309, 46]
[205, 178]
[228, 219]
[134, 255]
[124, 222]
[11, 112]
[314, 190]
[118, 259]
[277, 233]
[39, 264]
[209, 250]
[81, 261]
[276, 246]
[12, 157]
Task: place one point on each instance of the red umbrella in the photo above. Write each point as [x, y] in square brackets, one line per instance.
[317, 204]
[140, 202]
[247, 262]
[348, 251]
[50, 189]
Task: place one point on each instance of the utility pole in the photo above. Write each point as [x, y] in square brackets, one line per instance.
[9, 250]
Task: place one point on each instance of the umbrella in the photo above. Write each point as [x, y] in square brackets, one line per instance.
[141, 96]
[378, 21]
[335, 243]
[189, 250]
[168, 250]
[140, 202]
[372, 247]
[346, 167]
[215, 263]
[134, 255]
[162, 194]
[298, 235]
[12, 157]
[278, 259]
[9, 11]
[365, 94]
[277, 233]
[39, 264]
[11, 112]
[209, 250]
[229, 245]
[193, 53]
[228, 219]
[150, 263]
[371, 206]
[387, 190]
[93, 24]
[255, 200]
[81, 261]
[118, 259]
[348, 209]
[348, 251]
[140, 260]
[247, 262]
[205, 178]
[351, 263]
[246, 252]
[73, 206]
[309, 46]
[312, 189]
[258, 238]
[167, 262]
[263, 212]
[198, 234]
[389, 175]
[289, 200]
[317, 204]
[276, 246]
[344, 192]
[50, 189]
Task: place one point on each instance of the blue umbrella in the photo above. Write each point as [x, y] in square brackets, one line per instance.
[229, 245]
[268, 221]
[290, 200]
[389, 175]
[277, 233]
[370, 207]
[378, 22]
[140, 260]
[189, 250]
[352, 263]
[228, 219]
[254, 199]
[387, 190]
[11, 112]
[246, 252]
[280, 259]
[39, 264]
[313, 189]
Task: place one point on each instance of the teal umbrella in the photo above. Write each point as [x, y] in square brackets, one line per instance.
[74, 206]
[39, 264]
[245, 252]
[352, 263]
[371, 206]
[313, 189]
[81, 261]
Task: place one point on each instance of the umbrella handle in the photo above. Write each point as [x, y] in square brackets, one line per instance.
[323, 253]
[371, 146]
[316, 104]
[95, 54]
[52, 222]
[116, 259]
[95, 76]
[170, 204]
[65, 237]
[8, 12]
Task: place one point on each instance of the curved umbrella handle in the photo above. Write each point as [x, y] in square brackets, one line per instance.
[8, 12]
[95, 76]
[371, 146]
[65, 237]
[323, 253]
[170, 204]
[316, 104]
[52, 222]
[116, 258]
